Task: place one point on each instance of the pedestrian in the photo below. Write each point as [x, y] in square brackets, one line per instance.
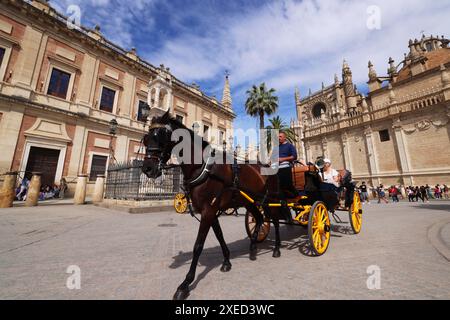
[381, 194]
[393, 193]
[410, 194]
[446, 194]
[423, 193]
[437, 192]
[364, 193]
[429, 192]
[21, 195]
[417, 193]
[62, 187]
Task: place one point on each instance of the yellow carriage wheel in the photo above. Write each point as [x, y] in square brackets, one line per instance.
[250, 225]
[355, 213]
[180, 203]
[319, 228]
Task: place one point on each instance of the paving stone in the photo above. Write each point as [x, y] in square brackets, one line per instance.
[146, 256]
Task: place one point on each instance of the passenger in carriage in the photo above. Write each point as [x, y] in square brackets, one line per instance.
[330, 177]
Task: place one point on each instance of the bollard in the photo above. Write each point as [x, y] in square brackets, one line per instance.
[80, 191]
[99, 189]
[33, 190]
[8, 191]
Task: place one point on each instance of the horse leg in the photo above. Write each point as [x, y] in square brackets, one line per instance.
[183, 290]
[254, 238]
[226, 266]
[276, 250]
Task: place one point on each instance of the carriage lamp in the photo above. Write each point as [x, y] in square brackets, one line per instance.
[113, 127]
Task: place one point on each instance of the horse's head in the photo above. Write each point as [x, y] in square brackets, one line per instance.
[158, 145]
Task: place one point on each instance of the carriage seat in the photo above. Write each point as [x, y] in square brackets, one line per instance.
[299, 179]
[298, 176]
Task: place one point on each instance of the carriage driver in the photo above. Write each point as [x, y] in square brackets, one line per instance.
[286, 157]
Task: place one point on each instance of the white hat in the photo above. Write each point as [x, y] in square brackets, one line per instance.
[326, 160]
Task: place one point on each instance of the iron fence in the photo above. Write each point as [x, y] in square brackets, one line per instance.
[125, 181]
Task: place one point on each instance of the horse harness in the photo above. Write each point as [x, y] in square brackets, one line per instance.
[205, 174]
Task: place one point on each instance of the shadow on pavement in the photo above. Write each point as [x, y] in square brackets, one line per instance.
[292, 237]
[441, 207]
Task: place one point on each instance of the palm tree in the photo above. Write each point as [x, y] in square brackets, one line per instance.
[278, 124]
[260, 102]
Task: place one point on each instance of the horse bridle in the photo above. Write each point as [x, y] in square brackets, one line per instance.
[162, 153]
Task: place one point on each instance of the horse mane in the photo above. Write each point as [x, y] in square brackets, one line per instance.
[175, 124]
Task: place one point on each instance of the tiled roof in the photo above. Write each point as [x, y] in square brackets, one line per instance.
[435, 59]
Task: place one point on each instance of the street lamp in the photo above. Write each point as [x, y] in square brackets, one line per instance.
[113, 127]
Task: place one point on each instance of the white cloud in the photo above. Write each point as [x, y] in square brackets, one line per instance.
[290, 43]
[285, 43]
[115, 17]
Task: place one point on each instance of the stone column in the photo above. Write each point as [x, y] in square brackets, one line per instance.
[346, 152]
[307, 152]
[325, 147]
[99, 189]
[8, 191]
[34, 190]
[156, 103]
[401, 147]
[80, 191]
[371, 154]
[403, 192]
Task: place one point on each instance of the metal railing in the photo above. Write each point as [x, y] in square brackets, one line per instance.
[125, 181]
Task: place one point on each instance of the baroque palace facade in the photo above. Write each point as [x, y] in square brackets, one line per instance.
[61, 86]
[399, 133]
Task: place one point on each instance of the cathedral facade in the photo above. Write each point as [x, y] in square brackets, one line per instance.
[399, 133]
[61, 87]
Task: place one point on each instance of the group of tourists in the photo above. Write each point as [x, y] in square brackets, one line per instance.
[413, 193]
[47, 192]
[425, 193]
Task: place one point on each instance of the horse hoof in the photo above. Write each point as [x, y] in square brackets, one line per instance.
[253, 256]
[226, 267]
[181, 294]
[276, 254]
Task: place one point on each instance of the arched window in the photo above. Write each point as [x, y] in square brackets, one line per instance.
[318, 110]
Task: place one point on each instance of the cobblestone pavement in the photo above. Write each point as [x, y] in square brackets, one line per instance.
[146, 256]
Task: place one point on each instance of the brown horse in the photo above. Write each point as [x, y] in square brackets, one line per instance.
[212, 188]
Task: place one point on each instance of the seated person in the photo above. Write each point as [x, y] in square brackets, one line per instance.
[330, 177]
[48, 193]
[287, 155]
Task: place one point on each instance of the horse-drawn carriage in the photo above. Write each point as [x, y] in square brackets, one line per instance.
[211, 189]
[312, 206]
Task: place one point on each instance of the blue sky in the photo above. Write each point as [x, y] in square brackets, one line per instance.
[285, 43]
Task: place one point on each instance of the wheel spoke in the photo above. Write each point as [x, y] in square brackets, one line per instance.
[316, 242]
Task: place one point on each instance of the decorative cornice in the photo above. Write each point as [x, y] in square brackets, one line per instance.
[424, 125]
